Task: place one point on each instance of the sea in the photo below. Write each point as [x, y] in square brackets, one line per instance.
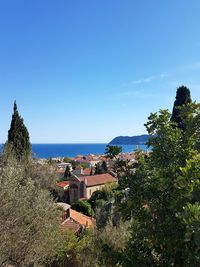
[72, 150]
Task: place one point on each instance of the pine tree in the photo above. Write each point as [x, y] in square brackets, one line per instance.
[182, 98]
[18, 137]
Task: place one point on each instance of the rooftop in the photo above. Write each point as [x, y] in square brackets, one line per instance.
[98, 179]
[64, 206]
[63, 184]
[82, 219]
[70, 224]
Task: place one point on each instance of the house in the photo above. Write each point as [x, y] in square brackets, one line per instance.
[63, 165]
[79, 171]
[74, 220]
[85, 186]
[62, 190]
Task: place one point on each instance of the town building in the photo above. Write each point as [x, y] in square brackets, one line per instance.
[73, 220]
[62, 190]
[83, 187]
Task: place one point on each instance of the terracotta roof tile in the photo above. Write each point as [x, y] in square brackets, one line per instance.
[63, 184]
[70, 224]
[98, 179]
[86, 171]
[82, 219]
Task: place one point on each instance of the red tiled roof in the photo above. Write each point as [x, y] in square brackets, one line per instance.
[86, 171]
[70, 224]
[63, 184]
[98, 179]
[82, 218]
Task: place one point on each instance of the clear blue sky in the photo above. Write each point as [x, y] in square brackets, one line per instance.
[89, 70]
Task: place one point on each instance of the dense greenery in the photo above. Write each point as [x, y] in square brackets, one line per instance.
[18, 137]
[84, 207]
[150, 219]
[163, 199]
[101, 168]
[29, 219]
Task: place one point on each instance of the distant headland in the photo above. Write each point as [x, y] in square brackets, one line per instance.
[130, 140]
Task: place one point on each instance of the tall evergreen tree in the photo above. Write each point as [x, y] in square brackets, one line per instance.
[98, 169]
[91, 171]
[18, 137]
[67, 173]
[101, 168]
[104, 166]
[182, 98]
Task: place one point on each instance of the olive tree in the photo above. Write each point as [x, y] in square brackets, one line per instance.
[29, 219]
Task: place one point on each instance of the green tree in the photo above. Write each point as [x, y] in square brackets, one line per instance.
[91, 171]
[67, 173]
[84, 207]
[43, 175]
[113, 151]
[98, 169]
[110, 243]
[78, 251]
[51, 161]
[163, 200]
[99, 197]
[74, 164]
[67, 160]
[18, 137]
[101, 168]
[29, 219]
[182, 98]
[104, 166]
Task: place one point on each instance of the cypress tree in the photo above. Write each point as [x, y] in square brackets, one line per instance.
[98, 169]
[104, 166]
[101, 168]
[182, 98]
[18, 137]
[67, 173]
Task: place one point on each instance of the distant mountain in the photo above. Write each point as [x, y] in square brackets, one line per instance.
[130, 140]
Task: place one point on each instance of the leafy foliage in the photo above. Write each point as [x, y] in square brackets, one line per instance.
[106, 194]
[101, 168]
[163, 200]
[84, 207]
[29, 219]
[77, 251]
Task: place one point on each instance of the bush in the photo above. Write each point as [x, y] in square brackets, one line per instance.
[84, 207]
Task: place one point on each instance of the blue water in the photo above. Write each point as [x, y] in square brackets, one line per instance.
[72, 150]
